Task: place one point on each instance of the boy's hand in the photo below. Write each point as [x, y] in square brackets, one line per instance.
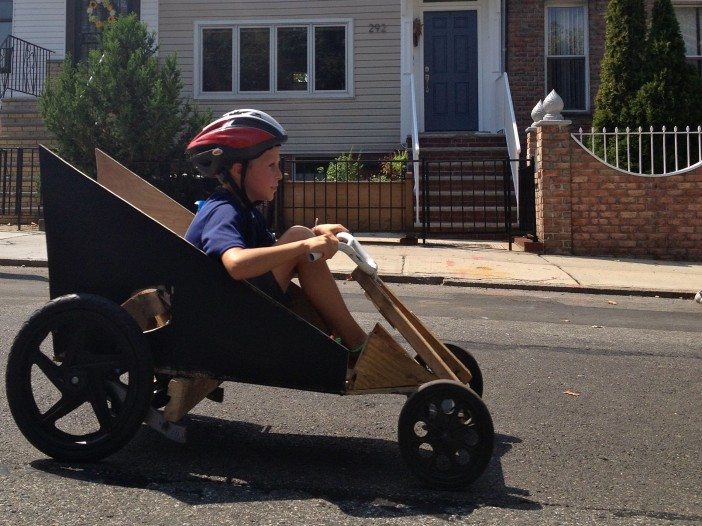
[332, 229]
[326, 244]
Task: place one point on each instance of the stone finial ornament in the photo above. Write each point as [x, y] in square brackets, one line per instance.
[552, 107]
[538, 112]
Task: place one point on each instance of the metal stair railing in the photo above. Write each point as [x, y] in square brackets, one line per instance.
[22, 66]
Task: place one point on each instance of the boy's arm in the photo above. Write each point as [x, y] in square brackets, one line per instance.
[246, 263]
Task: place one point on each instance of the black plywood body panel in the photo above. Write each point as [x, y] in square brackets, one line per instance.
[98, 243]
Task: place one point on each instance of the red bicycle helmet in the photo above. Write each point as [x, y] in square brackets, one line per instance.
[237, 136]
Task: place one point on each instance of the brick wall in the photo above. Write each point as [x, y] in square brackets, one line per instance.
[584, 207]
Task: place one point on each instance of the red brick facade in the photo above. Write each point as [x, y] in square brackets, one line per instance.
[584, 207]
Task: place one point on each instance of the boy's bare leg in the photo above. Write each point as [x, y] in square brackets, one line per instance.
[320, 288]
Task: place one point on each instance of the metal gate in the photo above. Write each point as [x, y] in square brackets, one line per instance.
[19, 185]
[469, 198]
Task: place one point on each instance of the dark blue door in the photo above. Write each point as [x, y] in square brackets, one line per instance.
[450, 70]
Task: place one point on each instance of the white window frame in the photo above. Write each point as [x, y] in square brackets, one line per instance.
[697, 5]
[273, 26]
[586, 44]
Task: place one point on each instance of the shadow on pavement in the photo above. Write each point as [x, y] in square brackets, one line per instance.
[227, 462]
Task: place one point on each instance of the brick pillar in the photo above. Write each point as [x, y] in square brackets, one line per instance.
[531, 143]
[553, 192]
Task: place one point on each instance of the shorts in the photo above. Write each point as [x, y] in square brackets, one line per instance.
[268, 284]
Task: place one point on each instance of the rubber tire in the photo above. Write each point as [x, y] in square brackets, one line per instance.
[80, 309]
[469, 361]
[407, 438]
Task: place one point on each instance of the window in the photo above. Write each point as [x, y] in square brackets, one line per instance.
[690, 19]
[291, 59]
[5, 19]
[566, 55]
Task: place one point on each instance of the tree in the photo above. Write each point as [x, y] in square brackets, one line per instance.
[621, 71]
[672, 93]
[122, 101]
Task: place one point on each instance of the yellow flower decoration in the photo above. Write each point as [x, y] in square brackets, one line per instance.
[101, 11]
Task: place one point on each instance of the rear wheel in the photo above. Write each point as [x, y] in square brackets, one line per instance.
[79, 378]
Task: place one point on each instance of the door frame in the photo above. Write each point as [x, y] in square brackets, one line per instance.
[419, 68]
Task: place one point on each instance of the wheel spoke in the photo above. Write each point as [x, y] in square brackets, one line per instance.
[50, 369]
[73, 342]
[66, 405]
[97, 397]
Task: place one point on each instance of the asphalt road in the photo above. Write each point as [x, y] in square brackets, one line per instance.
[622, 448]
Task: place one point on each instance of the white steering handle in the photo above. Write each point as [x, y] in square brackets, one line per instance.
[353, 249]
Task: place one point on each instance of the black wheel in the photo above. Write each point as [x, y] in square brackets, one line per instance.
[79, 378]
[446, 434]
[467, 359]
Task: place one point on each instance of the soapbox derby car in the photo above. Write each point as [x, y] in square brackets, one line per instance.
[142, 326]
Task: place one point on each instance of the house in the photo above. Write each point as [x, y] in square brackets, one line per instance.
[341, 73]
[365, 75]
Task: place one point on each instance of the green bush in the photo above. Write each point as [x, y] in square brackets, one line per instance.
[345, 167]
[121, 100]
[622, 70]
[394, 166]
[672, 93]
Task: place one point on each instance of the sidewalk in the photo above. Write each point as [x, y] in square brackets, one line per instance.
[472, 264]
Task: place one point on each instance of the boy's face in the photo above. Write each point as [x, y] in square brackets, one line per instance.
[262, 175]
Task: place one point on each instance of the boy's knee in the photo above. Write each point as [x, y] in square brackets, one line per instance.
[296, 233]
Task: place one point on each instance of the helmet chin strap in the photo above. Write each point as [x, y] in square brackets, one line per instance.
[240, 189]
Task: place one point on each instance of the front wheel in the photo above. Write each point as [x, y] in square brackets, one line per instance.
[446, 435]
[79, 378]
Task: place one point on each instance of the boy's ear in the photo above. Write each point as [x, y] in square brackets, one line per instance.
[235, 171]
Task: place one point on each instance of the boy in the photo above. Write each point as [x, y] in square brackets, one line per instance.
[242, 149]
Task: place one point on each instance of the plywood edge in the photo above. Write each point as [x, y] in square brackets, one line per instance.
[121, 181]
[384, 364]
[186, 393]
[150, 308]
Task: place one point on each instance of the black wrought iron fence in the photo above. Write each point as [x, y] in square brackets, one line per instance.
[468, 198]
[20, 200]
[23, 66]
[527, 197]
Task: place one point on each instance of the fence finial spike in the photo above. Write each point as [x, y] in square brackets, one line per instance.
[675, 128]
[616, 129]
[628, 129]
[687, 128]
[663, 128]
[640, 129]
[651, 129]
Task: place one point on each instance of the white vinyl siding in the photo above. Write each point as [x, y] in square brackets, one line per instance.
[43, 23]
[368, 121]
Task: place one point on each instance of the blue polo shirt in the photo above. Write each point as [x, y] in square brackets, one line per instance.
[225, 222]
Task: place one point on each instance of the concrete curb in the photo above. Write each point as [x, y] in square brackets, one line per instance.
[452, 282]
[42, 263]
